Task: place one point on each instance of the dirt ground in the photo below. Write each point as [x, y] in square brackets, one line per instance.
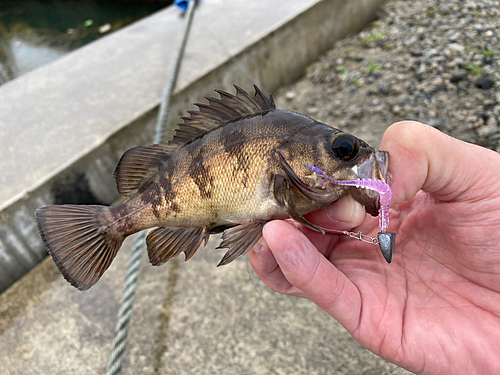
[432, 61]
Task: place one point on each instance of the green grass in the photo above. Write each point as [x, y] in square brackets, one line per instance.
[342, 70]
[489, 53]
[375, 36]
[357, 83]
[373, 67]
[432, 9]
[474, 69]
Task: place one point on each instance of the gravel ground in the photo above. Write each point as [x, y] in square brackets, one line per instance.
[437, 62]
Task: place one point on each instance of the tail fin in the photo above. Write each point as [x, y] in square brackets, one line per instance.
[79, 240]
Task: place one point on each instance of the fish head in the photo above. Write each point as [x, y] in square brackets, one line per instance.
[343, 156]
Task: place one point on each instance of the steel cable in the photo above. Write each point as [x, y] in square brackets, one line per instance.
[127, 302]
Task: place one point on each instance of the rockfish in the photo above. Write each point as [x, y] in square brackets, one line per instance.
[233, 165]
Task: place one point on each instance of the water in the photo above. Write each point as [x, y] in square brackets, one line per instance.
[34, 33]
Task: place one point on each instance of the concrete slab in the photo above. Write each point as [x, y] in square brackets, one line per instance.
[64, 126]
[189, 318]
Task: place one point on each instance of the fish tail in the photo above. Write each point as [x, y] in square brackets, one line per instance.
[80, 240]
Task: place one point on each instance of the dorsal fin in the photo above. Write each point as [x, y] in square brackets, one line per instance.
[138, 165]
[221, 111]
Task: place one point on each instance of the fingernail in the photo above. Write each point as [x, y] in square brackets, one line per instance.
[260, 246]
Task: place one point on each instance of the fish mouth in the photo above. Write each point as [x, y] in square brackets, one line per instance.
[374, 166]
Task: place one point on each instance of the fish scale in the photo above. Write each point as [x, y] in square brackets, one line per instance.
[232, 166]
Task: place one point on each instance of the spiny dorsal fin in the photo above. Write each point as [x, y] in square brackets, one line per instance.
[222, 111]
[138, 165]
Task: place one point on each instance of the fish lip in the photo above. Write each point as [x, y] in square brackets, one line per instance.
[374, 166]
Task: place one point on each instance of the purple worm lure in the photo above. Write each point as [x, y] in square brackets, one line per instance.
[386, 240]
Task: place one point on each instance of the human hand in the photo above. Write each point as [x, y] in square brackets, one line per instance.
[436, 308]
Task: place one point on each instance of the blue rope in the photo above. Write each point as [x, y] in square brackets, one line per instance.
[127, 302]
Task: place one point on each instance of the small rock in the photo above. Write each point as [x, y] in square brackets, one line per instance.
[403, 99]
[438, 81]
[416, 52]
[396, 109]
[457, 47]
[454, 37]
[484, 83]
[488, 130]
[463, 86]
[432, 52]
[455, 78]
[488, 34]
[375, 102]
[436, 123]
[383, 89]
[104, 28]
[290, 95]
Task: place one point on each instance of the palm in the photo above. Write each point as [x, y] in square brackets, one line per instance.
[440, 279]
[436, 307]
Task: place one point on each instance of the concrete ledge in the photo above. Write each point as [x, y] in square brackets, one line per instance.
[64, 126]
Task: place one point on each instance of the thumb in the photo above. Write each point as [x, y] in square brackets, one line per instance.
[423, 158]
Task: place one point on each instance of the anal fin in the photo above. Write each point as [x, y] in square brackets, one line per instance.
[240, 239]
[165, 243]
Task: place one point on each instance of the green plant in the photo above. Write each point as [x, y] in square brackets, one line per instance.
[373, 67]
[342, 69]
[375, 36]
[432, 9]
[357, 82]
[489, 53]
[474, 69]
[377, 23]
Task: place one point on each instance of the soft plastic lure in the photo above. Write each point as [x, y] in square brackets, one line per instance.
[386, 240]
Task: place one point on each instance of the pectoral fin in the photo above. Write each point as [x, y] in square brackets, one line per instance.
[284, 197]
[317, 196]
[240, 239]
[165, 243]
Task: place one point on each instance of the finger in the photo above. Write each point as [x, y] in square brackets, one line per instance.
[344, 214]
[267, 269]
[310, 272]
[422, 157]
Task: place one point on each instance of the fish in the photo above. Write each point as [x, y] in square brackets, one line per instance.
[233, 165]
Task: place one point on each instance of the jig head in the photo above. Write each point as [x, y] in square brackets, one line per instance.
[386, 240]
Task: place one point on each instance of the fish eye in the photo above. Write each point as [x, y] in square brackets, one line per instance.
[345, 147]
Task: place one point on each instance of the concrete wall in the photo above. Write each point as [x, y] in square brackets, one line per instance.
[64, 126]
